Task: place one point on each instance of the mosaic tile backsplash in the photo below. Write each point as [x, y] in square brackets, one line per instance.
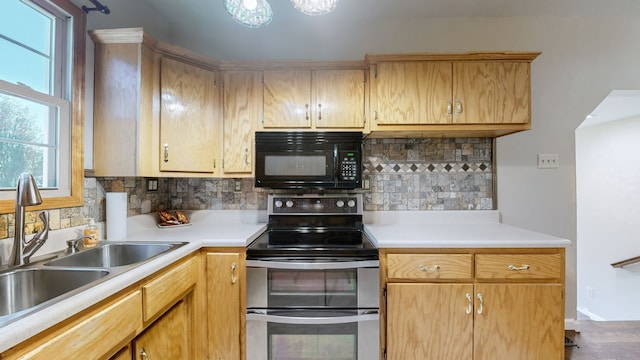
[403, 174]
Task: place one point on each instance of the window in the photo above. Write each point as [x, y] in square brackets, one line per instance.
[41, 99]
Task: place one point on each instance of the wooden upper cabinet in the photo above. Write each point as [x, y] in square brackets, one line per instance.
[473, 94]
[338, 98]
[491, 93]
[188, 96]
[241, 111]
[147, 95]
[287, 99]
[315, 99]
[412, 93]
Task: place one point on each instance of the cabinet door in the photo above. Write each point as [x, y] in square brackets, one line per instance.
[241, 98]
[412, 93]
[187, 117]
[519, 321]
[491, 93]
[429, 321]
[287, 99]
[223, 305]
[168, 338]
[339, 98]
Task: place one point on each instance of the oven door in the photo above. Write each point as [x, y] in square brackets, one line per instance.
[312, 334]
[310, 284]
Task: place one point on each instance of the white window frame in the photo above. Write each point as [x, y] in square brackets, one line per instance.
[68, 99]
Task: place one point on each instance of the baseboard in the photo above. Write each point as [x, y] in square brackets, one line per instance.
[589, 314]
[572, 324]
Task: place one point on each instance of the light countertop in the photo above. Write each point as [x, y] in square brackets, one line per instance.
[451, 229]
[237, 228]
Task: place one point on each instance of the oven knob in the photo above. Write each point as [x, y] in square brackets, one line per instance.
[278, 203]
[339, 203]
[351, 203]
[289, 203]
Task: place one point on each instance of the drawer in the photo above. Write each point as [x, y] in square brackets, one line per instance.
[519, 266]
[92, 336]
[429, 266]
[165, 290]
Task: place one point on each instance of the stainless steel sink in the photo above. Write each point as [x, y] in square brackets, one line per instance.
[26, 288]
[32, 287]
[113, 255]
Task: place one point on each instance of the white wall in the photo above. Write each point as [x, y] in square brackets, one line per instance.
[608, 188]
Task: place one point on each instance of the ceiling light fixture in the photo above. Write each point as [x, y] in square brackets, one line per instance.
[315, 7]
[250, 13]
[257, 13]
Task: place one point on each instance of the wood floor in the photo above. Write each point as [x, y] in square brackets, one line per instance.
[605, 340]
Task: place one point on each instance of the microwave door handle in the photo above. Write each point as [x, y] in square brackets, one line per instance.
[297, 265]
[325, 320]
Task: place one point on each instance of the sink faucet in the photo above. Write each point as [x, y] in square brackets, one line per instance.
[27, 194]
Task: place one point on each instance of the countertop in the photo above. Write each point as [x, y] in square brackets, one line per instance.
[237, 228]
[451, 229]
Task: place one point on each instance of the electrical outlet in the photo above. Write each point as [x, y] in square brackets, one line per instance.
[589, 291]
[152, 184]
[548, 161]
[238, 185]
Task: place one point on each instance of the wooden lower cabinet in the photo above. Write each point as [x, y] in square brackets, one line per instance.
[510, 306]
[225, 304]
[168, 338]
[429, 321]
[161, 314]
[519, 321]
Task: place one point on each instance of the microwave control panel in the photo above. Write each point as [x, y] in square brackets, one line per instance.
[348, 165]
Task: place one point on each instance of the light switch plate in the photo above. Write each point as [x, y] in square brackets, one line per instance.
[548, 161]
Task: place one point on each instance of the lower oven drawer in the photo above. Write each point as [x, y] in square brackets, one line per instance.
[312, 334]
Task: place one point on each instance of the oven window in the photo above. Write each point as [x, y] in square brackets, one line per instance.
[296, 288]
[295, 165]
[313, 342]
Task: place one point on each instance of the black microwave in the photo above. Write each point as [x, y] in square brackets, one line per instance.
[308, 160]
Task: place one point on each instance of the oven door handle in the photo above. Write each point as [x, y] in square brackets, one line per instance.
[324, 320]
[301, 265]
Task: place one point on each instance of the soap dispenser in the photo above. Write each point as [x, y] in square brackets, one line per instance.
[91, 233]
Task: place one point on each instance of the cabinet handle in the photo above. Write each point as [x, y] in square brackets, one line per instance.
[449, 108]
[432, 268]
[458, 107]
[306, 106]
[166, 152]
[319, 112]
[470, 307]
[246, 156]
[518, 268]
[480, 308]
[144, 354]
[375, 115]
[233, 273]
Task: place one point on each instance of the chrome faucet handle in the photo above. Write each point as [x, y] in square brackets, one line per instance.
[31, 246]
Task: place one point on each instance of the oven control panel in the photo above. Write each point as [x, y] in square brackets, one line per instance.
[315, 204]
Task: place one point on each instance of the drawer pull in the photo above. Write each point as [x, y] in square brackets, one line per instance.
[480, 308]
[144, 354]
[432, 268]
[518, 268]
[470, 307]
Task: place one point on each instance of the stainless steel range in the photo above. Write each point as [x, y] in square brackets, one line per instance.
[312, 282]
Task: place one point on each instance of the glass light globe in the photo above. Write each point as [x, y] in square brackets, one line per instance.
[314, 7]
[250, 13]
